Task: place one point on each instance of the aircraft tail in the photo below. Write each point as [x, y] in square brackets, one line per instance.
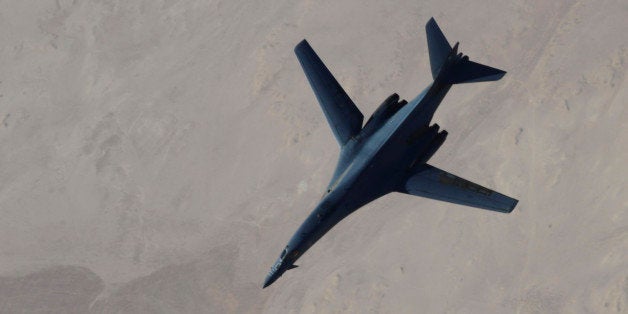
[459, 68]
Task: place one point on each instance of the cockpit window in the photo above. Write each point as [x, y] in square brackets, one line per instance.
[283, 253]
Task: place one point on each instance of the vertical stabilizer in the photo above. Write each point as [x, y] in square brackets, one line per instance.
[438, 46]
[458, 67]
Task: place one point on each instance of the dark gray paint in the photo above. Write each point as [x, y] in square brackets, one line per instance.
[390, 152]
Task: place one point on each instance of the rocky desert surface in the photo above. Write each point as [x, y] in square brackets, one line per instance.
[155, 157]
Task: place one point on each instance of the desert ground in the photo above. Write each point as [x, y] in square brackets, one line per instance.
[156, 156]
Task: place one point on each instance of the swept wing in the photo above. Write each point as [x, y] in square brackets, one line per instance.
[431, 182]
[345, 119]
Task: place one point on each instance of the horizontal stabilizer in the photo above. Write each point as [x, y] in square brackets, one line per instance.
[343, 116]
[458, 69]
[470, 72]
[431, 182]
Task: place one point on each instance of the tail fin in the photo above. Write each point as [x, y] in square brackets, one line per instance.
[462, 70]
[438, 46]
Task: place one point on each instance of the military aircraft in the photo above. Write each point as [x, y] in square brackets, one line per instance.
[390, 152]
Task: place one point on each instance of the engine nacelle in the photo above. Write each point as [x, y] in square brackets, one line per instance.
[434, 140]
[422, 136]
[434, 146]
[386, 110]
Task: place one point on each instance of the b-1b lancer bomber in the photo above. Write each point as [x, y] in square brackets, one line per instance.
[390, 152]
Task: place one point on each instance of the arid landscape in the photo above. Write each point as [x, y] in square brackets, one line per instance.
[155, 157]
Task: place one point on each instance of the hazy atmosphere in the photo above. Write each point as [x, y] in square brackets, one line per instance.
[156, 156]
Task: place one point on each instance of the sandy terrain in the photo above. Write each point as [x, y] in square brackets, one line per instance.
[155, 157]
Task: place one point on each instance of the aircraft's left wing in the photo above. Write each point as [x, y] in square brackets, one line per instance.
[343, 116]
[431, 182]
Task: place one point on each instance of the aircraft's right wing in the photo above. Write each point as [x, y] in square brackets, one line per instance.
[343, 116]
[431, 182]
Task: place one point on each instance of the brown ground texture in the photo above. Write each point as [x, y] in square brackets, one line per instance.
[156, 156]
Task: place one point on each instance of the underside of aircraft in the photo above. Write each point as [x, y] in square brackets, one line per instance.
[345, 120]
[390, 152]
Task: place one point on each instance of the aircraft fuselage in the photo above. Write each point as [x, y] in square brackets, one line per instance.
[386, 153]
[390, 152]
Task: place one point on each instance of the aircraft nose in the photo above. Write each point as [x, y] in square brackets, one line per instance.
[266, 283]
[270, 279]
[275, 272]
